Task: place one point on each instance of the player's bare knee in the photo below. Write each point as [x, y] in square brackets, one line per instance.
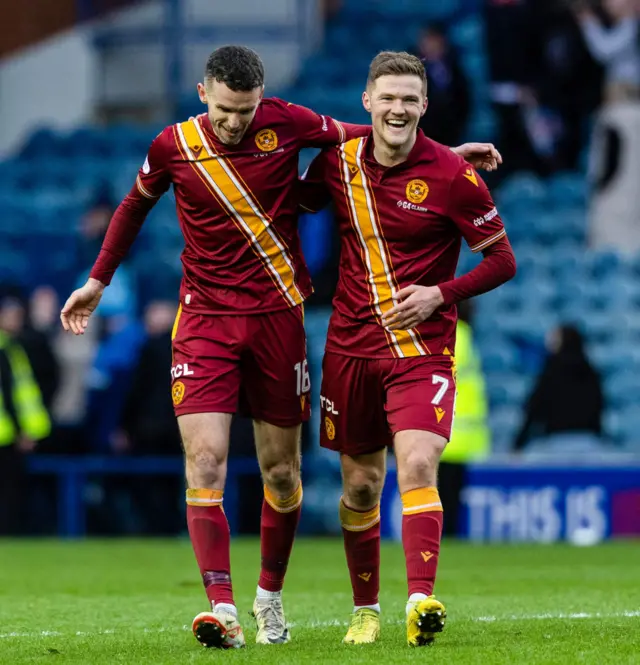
[418, 467]
[206, 465]
[363, 487]
[283, 477]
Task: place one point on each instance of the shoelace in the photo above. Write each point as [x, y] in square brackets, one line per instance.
[360, 621]
[272, 615]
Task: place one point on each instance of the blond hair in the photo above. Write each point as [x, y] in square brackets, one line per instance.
[396, 63]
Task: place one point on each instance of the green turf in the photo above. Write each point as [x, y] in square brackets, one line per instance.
[108, 602]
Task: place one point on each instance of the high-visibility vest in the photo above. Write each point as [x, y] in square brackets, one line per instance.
[33, 418]
[471, 437]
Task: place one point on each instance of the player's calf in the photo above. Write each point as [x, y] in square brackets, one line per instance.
[363, 479]
[417, 454]
[278, 451]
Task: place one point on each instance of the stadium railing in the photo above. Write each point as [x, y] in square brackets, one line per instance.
[72, 474]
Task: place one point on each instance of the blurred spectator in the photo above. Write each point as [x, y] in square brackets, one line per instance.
[567, 398]
[148, 417]
[470, 438]
[448, 89]
[94, 224]
[331, 7]
[616, 46]
[149, 426]
[37, 340]
[569, 85]
[120, 297]
[110, 378]
[24, 420]
[513, 42]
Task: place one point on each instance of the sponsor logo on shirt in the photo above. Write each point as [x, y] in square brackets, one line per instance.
[324, 124]
[267, 140]
[417, 191]
[411, 206]
[479, 221]
[268, 154]
[146, 168]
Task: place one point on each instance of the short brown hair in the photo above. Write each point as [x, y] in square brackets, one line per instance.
[396, 63]
[238, 67]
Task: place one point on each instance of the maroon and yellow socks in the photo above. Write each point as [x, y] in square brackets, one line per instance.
[361, 532]
[278, 526]
[211, 540]
[421, 534]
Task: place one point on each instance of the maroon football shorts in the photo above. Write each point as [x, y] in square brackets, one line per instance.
[365, 401]
[255, 364]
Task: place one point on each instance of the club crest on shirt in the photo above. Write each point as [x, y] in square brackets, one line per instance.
[267, 140]
[417, 191]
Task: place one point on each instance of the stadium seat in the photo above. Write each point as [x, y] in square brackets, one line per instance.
[521, 189]
[467, 34]
[510, 389]
[568, 190]
[504, 423]
[500, 357]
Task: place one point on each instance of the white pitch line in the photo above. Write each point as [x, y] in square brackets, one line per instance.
[629, 614]
[561, 615]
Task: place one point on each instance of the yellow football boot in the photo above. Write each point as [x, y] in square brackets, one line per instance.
[425, 618]
[364, 627]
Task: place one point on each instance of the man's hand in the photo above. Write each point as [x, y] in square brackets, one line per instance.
[80, 305]
[480, 155]
[415, 305]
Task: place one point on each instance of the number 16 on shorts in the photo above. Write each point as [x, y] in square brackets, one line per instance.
[303, 382]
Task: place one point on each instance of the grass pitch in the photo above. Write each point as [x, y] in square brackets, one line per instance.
[126, 601]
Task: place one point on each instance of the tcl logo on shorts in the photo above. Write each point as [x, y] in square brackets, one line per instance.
[328, 405]
[181, 370]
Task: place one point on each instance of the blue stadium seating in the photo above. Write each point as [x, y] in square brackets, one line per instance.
[46, 188]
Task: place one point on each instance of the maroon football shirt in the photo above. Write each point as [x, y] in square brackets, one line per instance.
[237, 207]
[399, 226]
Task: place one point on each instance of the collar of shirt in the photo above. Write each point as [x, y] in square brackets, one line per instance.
[223, 148]
[422, 151]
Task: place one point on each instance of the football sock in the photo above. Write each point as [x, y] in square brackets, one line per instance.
[278, 526]
[361, 533]
[421, 533]
[226, 608]
[375, 608]
[263, 593]
[211, 540]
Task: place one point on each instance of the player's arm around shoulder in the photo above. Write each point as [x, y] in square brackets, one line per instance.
[482, 156]
[314, 188]
[317, 131]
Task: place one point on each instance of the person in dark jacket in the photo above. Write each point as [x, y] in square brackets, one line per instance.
[567, 397]
[513, 38]
[149, 426]
[448, 88]
[148, 417]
